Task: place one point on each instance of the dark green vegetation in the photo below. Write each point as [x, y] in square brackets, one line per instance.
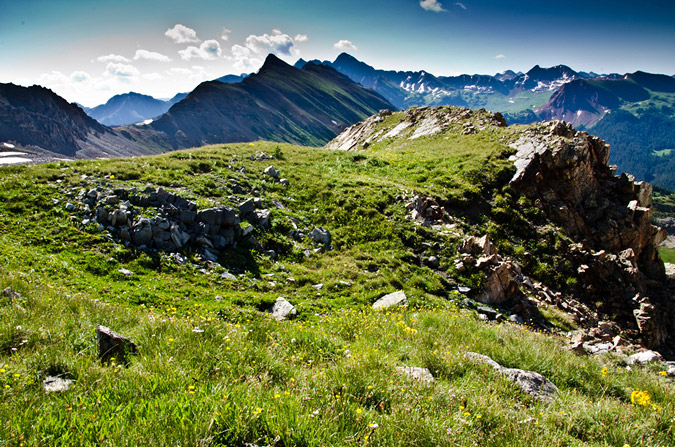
[213, 369]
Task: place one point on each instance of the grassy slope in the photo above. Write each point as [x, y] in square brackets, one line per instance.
[325, 379]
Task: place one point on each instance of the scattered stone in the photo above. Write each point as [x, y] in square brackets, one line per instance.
[56, 384]
[433, 262]
[318, 286]
[113, 345]
[228, 275]
[283, 310]
[421, 374]
[391, 299]
[530, 382]
[70, 207]
[642, 358]
[490, 313]
[284, 182]
[11, 294]
[271, 172]
[125, 272]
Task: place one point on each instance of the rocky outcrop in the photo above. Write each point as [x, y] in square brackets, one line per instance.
[412, 124]
[564, 172]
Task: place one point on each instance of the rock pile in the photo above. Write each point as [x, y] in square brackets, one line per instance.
[177, 224]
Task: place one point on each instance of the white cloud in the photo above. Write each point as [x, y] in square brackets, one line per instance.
[182, 34]
[250, 56]
[195, 74]
[225, 34]
[112, 58]
[152, 77]
[345, 45]
[277, 42]
[461, 5]
[121, 70]
[500, 56]
[151, 56]
[432, 5]
[208, 50]
[179, 71]
[79, 76]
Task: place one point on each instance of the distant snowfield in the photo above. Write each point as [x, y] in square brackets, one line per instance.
[10, 154]
[14, 160]
[12, 157]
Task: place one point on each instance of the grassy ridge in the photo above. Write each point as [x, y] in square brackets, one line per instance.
[215, 370]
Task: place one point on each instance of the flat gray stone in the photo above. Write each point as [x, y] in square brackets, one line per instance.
[391, 299]
[421, 374]
[642, 358]
[56, 384]
[530, 382]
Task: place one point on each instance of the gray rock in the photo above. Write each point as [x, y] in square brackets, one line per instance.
[285, 182]
[488, 312]
[433, 262]
[318, 286]
[642, 358]
[530, 382]
[113, 345]
[142, 232]
[246, 207]
[391, 299]
[272, 172]
[70, 207]
[125, 272]
[56, 384]
[283, 310]
[421, 374]
[228, 275]
[320, 236]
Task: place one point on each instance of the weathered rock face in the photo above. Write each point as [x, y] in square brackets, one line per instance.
[565, 173]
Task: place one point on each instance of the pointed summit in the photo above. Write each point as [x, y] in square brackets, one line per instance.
[273, 63]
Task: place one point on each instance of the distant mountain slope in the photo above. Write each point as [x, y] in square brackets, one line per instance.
[635, 114]
[39, 118]
[131, 108]
[504, 92]
[279, 103]
[232, 79]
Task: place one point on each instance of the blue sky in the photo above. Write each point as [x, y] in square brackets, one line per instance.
[90, 50]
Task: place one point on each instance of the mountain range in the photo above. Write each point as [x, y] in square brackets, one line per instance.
[311, 102]
[131, 108]
[634, 112]
[279, 103]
